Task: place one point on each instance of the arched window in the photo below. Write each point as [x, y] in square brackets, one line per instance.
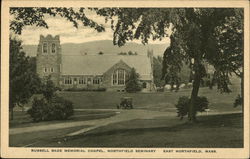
[53, 48]
[45, 48]
[119, 77]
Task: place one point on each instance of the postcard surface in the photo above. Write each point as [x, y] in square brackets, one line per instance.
[125, 79]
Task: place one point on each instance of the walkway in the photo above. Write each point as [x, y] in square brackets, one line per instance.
[122, 115]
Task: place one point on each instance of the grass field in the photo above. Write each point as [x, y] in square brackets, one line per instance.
[27, 139]
[211, 131]
[22, 119]
[162, 101]
[217, 131]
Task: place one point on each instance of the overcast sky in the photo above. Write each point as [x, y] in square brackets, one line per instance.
[69, 34]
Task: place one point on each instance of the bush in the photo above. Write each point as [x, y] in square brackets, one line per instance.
[238, 101]
[182, 106]
[55, 109]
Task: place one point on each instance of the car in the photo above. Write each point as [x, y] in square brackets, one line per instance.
[125, 103]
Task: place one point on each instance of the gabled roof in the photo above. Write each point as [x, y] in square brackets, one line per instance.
[99, 64]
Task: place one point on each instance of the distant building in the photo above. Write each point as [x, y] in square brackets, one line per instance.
[90, 71]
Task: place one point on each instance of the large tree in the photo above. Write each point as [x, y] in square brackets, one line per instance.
[24, 81]
[199, 36]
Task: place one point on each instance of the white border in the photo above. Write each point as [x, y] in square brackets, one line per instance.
[26, 153]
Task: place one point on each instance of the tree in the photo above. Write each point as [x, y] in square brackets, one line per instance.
[170, 71]
[48, 88]
[230, 37]
[28, 16]
[202, 41]
[132, 84]
[24, 81]
[195, 38]
[157, 67]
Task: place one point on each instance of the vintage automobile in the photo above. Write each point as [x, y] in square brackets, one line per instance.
[125, 103]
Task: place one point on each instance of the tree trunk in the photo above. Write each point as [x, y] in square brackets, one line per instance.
[195, 90]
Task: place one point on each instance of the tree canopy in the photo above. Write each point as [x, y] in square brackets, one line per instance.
[24, 81]
[34, 16]
[199, 36]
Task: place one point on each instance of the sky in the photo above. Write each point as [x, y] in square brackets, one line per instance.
[69, 34]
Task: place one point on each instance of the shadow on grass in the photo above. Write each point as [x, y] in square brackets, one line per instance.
[213, 121]
[215, 131]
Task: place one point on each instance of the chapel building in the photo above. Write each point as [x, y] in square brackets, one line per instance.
[91, 71]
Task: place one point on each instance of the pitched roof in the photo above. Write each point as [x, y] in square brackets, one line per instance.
[99, 64]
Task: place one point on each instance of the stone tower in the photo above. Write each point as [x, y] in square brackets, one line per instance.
[49, 58]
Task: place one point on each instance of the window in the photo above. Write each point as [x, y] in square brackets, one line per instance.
[114, 78]
[53, 48]
[45, 48]
[144, 85]
[45, 70]
[97, 80]
[51, 69]
[119, 77]
[82, 80]
[67, 80]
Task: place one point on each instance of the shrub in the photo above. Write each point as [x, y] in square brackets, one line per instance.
[238, 101]
[55, 109]
[182, 106]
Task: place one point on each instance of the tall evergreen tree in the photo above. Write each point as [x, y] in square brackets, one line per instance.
[132, 84]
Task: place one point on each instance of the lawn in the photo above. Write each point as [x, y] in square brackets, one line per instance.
[211, 131]
[215, 131]
[28, 139]
[22, 119]
[162, 101]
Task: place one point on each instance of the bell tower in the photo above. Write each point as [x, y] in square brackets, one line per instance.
[49, 58]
